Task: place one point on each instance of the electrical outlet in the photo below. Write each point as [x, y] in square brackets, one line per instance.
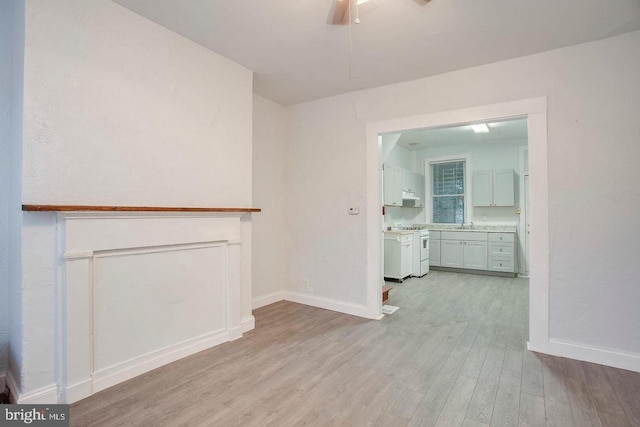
[305, 285]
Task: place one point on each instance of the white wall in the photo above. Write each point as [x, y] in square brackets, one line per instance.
[5, 144]
[592, 92]
[269, 193]
[120, 111]
[11, 71]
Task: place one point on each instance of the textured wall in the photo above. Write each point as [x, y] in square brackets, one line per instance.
[118, 110]
[593, 149]
[269, 227]
[114, 101]
[5, 143]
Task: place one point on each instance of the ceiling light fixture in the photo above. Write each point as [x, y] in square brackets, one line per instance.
[361, 1]
[480, 128]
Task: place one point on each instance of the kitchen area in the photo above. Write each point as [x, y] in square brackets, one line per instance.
[455, 199]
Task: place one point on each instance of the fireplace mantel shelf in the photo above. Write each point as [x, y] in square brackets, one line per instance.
[83, 208]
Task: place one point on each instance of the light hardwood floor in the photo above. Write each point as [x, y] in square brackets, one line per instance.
[453, 355]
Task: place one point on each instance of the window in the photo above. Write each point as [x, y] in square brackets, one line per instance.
[448, 192]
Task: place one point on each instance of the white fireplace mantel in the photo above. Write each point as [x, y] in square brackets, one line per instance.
[137, 290]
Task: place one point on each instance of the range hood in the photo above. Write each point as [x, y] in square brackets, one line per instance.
[409, 195]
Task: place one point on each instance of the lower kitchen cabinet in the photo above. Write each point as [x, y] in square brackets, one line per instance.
[463, 254]
[502, 252]
[475, 255]
[398, 255]
[451, 253]
[488, 251]
[434, 250]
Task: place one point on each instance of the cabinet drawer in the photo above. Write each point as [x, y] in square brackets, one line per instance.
[496, 264]
[464, 235]
[500, 249]
[501, 237]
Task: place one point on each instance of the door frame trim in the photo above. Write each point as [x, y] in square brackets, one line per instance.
[535, 109]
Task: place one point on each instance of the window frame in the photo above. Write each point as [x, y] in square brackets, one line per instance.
[428, 174]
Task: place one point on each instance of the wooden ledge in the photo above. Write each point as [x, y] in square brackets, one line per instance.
[82, 208]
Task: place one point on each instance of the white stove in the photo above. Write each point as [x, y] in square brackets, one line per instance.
[420, 251]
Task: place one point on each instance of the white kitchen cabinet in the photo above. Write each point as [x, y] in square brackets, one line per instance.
[482, 188]
[494, 188]
[475, 255]
[397, 180]
[434, 248]
[393, 181]
[398, 255]
[463, 249]
[452, 253]
[419, 189]
[502, 252]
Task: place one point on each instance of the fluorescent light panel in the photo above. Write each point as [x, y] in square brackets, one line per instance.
[480, 128]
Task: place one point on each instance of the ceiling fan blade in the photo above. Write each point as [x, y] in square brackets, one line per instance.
[339, 13]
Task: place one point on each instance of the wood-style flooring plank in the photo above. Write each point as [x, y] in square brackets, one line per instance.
[454, 354]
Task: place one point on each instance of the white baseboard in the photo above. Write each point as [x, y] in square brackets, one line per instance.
[585, 353]
[248, 324]
[267, 299]
[13, 386]
[113, 375]
[43, 395]
[327, 304]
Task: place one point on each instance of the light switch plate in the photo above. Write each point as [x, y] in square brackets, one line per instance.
[354, 211]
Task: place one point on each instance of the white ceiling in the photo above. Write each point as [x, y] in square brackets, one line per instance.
[419, 139]
[297, 57]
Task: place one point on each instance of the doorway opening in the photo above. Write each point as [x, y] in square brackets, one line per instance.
[534, 112]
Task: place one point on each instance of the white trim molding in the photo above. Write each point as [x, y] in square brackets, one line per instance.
[535, 109]
[602, 356]
[267, 299]
[43, 395]
[327, 303]
[248, 324]
[93, 248]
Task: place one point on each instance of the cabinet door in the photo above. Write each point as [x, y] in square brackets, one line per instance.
[420, 190]
[451, 253]
[434, 252]
[482, 188]
[392, 182]
[408, 181]
[503, 191]
[475, 255]
[407, 259]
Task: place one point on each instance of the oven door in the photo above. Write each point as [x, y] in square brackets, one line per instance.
[424, 248]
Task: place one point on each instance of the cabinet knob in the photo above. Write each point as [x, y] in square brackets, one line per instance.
[501, 238]
[500, 250]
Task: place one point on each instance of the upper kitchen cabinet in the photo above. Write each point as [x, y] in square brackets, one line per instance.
[393, 181]
[494, 188]
[402, 187]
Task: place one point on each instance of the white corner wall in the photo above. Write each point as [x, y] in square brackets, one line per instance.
[120, 111]
[592, 91]
[5, 183]
[269, 193]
